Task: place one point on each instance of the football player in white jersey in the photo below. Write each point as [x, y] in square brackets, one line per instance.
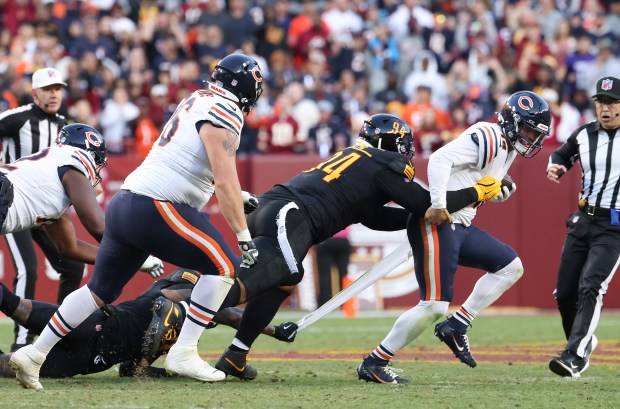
[484, 149]
[157, 211]
[36, 190]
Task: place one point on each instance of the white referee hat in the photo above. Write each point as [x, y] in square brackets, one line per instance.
[46, 76]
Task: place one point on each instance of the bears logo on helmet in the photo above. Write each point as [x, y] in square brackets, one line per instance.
[87, 138]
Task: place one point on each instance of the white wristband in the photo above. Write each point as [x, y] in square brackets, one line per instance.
[244, 235]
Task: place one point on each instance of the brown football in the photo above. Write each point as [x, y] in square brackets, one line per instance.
[507, 181]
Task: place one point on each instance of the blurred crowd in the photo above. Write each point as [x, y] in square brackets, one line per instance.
[440, 65]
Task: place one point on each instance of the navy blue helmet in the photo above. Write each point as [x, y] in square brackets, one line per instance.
[239, 78]
[525, 120]
[87, 138]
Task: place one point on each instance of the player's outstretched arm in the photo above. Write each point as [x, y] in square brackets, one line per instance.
[62, 233]
[82, 194]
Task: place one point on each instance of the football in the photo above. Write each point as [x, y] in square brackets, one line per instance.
[507, 181]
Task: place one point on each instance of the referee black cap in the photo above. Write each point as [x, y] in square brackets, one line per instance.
[608, 87]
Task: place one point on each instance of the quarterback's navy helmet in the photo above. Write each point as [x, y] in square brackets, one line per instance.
[387, 132]
[87, 138]
[239, 78]
[525, 120]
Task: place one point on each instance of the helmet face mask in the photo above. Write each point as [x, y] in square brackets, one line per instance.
[87, 138]
[239, 78]
[525, 120]
[387, 132]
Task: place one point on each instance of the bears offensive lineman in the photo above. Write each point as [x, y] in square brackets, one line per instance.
[485, 149]
[36, 190]
[157, 211]
[351, 186]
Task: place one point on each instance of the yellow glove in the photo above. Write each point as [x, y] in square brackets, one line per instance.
[488, 187]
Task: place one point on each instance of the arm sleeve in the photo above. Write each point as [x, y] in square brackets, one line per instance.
[462, 152]
[416, 199]
[388, 218]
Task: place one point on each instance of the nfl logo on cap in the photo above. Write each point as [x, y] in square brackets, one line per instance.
[607, 84]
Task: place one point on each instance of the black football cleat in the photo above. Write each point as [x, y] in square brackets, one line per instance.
[373, 370]
[457, 341]
[571, 364]
[235, 363]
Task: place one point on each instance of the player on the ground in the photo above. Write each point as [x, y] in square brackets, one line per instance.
[351, 186]
[157, 211]
[485, 149]
[133, 333]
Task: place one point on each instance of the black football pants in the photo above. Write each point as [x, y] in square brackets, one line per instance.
[589, 259]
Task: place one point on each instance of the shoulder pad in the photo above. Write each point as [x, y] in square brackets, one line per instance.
[402, 166]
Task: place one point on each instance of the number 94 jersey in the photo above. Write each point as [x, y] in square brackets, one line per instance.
[177, 169]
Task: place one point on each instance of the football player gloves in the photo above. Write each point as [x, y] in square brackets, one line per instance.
[488, 187]
[287, 331]
[153, 266]
[506, 191]
[250, 202]
[249, 253]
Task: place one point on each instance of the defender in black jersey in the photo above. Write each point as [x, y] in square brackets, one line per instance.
[350, 187]
[114, 334]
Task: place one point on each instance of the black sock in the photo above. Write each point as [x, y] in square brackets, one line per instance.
[236, 349]
[40, 315]
[8, 300]
[258, 314]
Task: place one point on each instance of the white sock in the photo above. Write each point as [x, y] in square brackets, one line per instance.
[74, 310]
[491, 286]
[410, 325]
[240, 344]
[207, 297]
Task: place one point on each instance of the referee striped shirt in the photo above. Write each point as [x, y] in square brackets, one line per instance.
[598, 151]
[26, 130]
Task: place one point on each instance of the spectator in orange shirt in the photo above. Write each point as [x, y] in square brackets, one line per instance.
[299, 25]
[413, 112]
[146, 131]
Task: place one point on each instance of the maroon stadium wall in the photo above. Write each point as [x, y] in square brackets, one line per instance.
[532, 221]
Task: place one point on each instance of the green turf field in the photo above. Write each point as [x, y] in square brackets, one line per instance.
[318, 371]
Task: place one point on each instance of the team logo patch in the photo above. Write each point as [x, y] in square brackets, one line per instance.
[192, 278]
[93, 139]
[258, 76]
[525, 102]
[409, 171]
[607, 84]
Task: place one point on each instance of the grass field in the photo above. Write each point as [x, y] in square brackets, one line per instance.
[318, 371]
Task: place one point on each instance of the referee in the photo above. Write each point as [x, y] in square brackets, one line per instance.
[591, 251]
[26, 130]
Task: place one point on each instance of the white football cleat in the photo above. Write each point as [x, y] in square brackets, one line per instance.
[185, 361]
[27, 363]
